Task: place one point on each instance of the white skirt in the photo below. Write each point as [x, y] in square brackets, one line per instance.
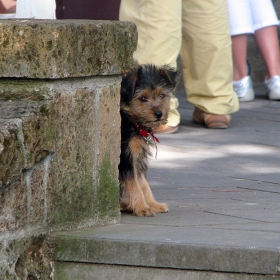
[246, 16]
[39, 9]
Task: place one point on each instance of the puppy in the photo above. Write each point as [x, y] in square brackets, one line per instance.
[145, 96]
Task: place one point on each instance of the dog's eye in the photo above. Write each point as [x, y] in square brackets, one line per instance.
[162, 96]
[143, 99]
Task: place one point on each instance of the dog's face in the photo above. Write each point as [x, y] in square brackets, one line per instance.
[149, 107]
[145, 94]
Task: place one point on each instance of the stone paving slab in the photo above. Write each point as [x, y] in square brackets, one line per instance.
[223, 191]
[167, 247]
[70, 271]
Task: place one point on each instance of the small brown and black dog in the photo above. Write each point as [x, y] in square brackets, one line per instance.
[145, 96]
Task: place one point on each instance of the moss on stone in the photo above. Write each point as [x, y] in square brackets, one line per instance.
[79, 198]
[24, 89]
[66, 48]
[108, 188]
[73, 201]
[30, 256]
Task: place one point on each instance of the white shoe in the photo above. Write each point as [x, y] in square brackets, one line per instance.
[273, 87]
[244, 89]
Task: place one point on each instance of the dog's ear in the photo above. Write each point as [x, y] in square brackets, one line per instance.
[128, 85]
[169, 75]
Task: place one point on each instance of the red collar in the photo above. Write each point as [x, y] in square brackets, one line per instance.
[146, 135]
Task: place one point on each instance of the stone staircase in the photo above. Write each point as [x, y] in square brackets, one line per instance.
[222, 188]
[112, 253]
[59, 133]
[59, 215]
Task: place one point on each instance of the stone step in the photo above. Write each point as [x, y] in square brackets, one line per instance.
[222, 188]
[125, 252]
[74, 271]
[59, 132]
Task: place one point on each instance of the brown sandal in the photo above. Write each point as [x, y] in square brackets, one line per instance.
[211, 120]
[165, 129]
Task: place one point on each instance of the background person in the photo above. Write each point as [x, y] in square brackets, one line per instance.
[259, 18]
[201, 28]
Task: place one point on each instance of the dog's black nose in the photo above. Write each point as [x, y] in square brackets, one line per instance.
[158, 114]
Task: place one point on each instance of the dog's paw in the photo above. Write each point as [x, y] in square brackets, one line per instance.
[160, 207]
[123, 206]
[127, 211]
[146, 212]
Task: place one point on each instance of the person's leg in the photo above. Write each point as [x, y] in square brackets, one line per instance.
[7, 6]
[159, 36]
[265, 24]
[241, 23]
[239, 55]
[267, 41]
[242, 83]
[249, 16]
[207, 57]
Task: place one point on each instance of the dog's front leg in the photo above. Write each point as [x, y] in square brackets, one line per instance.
[155, 206]
[134, 200]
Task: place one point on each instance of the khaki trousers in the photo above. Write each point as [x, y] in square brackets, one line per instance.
[200, 30]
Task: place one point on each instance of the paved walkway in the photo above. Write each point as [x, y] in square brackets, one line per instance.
[223, 190]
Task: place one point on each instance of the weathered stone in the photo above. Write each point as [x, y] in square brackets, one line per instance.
[26, 135]
[74, 271]
[25, 89]
[13, 202]
[11, 152]
[65, 48]
[36, 194]
[75, 168]
[84, 247]
[25, 258]
[79, 125]
[108, 153]
[59, 133]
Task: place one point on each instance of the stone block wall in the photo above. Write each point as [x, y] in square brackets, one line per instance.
[59, 133]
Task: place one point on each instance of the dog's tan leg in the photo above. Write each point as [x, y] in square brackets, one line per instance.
[134, 199]
[156, 207]
[124, 205]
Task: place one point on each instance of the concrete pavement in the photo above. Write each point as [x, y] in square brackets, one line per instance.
[223, 191]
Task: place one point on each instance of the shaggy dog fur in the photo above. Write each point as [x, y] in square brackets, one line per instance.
[145, 96]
